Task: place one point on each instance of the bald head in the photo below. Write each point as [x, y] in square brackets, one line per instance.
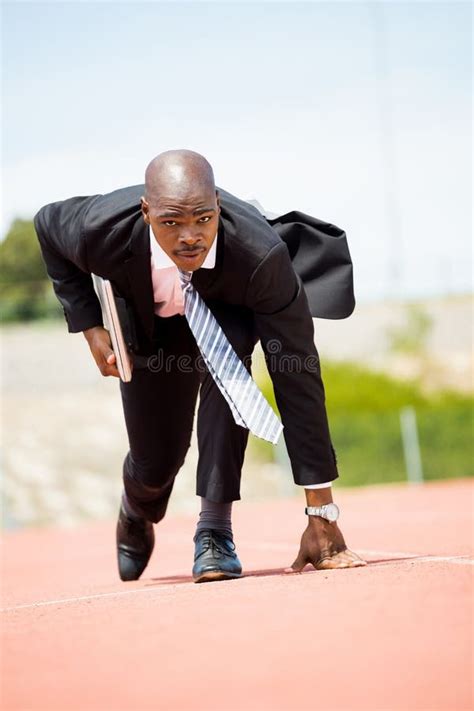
[178, 173]
[181, 206]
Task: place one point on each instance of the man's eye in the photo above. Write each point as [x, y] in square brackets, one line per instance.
[204, 219]
[169, 223]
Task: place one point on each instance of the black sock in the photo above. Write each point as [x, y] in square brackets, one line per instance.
[217, 516]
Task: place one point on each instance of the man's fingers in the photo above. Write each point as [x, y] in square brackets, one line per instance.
[357, 560]
[352, 558]
[110, 368]
[332, 563]
[344, 559]
[103, 353]
[299, 564]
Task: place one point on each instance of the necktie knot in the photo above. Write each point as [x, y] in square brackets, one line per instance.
[185, 278]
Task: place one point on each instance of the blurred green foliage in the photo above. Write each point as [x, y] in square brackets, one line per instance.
[25, 290]
[364, 417]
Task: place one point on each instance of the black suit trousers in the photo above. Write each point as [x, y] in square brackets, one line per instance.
[159, 405]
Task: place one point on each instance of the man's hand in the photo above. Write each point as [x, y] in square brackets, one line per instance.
[323, 545]
[101, 348]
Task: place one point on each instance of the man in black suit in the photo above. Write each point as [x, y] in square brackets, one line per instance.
[246, 271]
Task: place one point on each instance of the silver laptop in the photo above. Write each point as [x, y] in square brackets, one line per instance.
[105, 293]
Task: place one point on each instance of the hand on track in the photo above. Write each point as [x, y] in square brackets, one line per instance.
[323, 546]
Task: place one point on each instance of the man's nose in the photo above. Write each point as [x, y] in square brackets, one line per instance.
[188, 236]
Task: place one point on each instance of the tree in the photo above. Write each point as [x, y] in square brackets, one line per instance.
[25, 290]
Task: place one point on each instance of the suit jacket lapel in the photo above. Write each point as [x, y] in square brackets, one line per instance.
[203, 279]
[139, 274]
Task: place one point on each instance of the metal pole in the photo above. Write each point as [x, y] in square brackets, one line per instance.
[411, 445]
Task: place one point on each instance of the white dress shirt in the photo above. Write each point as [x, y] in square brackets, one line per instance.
[167, 291]
[163, 261]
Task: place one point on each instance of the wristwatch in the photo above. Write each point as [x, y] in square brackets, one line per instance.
[329, 511]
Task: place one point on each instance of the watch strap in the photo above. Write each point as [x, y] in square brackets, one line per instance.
[314, 511]
[330, 512]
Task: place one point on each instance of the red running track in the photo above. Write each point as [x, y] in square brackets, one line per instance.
[394, 635]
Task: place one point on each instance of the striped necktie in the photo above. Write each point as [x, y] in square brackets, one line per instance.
[248, 406]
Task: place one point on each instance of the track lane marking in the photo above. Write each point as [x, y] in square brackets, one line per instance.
[97, 596]
[399, 556]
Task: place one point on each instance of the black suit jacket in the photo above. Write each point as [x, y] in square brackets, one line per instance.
[283, 270]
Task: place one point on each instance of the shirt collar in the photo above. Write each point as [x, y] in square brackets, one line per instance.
[162, 261]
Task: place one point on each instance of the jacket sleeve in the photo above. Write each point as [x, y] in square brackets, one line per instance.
[59, 230]
[285, 328]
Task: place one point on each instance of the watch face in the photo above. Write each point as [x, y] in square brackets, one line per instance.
[332, 512]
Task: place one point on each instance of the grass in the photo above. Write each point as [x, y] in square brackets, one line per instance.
[364, 416]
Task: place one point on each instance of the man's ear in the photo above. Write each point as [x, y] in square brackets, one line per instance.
[218, 200]
[145, 210]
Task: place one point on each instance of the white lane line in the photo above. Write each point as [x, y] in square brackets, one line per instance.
[393, 556]
[460, 560]
[421, 558]
[97, 596]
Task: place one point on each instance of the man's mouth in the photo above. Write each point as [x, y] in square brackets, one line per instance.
[190, 254]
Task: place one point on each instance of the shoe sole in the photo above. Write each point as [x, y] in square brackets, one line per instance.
[212, 575]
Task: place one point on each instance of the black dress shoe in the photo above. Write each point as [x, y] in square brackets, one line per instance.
[135, 541]
[214, 557]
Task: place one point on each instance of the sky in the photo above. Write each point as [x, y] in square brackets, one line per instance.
[358, 113]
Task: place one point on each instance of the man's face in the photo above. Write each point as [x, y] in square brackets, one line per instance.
[184, 225]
